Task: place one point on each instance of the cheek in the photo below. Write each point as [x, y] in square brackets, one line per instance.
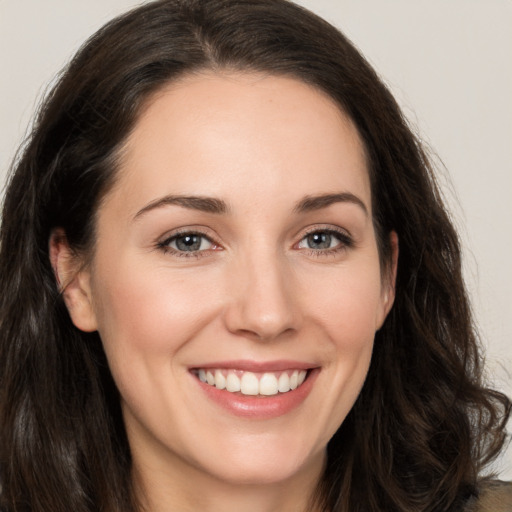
[148, 314]
[347, 311]
[145, 318]
[348, 304]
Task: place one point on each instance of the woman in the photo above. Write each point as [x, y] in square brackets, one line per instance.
[229, 283]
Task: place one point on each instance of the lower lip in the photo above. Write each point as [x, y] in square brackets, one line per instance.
[260, 407]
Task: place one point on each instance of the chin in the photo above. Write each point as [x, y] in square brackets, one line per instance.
[271, 465]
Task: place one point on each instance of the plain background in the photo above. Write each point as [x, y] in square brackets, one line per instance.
[448, 62]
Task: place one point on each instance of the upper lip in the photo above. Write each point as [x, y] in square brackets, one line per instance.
[257, 366]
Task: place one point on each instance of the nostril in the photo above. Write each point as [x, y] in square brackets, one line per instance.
[265, 334]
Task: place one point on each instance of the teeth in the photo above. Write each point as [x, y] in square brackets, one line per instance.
[249, 385]
[284, 383]
[232, 383]
[252, 384]
[210, 379]
[220, 380]
[293, 379]
[268, 384]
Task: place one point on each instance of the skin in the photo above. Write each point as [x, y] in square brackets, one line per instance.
[255, 291]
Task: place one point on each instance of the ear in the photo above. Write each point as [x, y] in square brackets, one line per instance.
[389, 281]
[73, 281]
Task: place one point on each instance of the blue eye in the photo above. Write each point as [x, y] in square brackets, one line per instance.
[324, 240]
[188, 242]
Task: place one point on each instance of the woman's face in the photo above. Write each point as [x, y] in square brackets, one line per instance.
[236, 247]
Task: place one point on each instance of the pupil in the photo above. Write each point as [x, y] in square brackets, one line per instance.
[188, 243]
[319, 241]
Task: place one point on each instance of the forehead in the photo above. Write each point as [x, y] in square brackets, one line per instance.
[211, 134]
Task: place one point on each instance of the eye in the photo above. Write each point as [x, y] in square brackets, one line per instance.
[188, 242]
[324, 240]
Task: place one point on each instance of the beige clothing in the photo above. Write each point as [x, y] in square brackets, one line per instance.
[495, 496]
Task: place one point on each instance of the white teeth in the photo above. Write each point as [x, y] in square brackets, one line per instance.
[293, 379]
[232, 383]
[249, 384]
[220, 380]
[252, 384]
[284, 383]
[210, 379]
[268, 384]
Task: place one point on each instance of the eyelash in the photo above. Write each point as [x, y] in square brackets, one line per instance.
[345, 242]
[165, 244]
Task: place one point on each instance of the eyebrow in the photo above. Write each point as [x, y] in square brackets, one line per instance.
[312, 203]
[200, 203]
[218, 206]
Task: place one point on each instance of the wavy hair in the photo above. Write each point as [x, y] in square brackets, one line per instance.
[424, 425]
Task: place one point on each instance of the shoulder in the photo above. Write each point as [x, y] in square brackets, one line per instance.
[493, 496]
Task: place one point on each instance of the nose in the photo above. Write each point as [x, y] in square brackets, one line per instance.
[261, 301]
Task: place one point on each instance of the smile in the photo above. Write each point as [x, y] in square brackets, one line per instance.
[252, 383]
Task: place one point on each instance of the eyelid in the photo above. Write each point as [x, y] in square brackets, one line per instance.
[164, 242]
[345, 238]
[185, 230]
[326, 228]
[202, 239]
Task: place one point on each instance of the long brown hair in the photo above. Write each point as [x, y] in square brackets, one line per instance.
[424, 425]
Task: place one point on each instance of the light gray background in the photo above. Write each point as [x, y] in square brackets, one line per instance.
[449, 63]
